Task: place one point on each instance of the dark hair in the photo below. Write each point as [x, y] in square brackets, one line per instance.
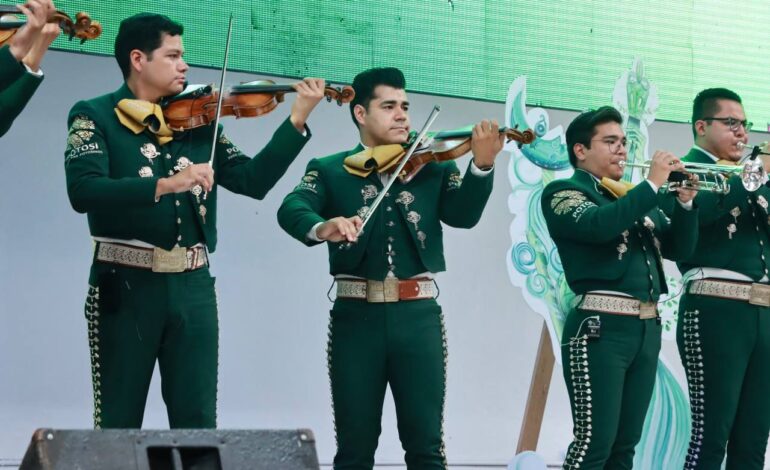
[143, 31]
[706, 103]
[583, 128]
[366, 81]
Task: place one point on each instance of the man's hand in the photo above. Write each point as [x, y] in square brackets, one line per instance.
[200, 174]
[340, 229]
[686, 195]
[661, 165]
[37, 12]
[309, 93]
[486, 143]
[33, 58]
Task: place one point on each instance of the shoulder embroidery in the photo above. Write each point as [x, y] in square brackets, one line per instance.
[564, 202]
[80, 132]
[83, 123]
[308, 182]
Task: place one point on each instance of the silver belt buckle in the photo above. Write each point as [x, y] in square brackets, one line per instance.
[382, 291]
[165, 261]
[647, 310]
[759, 294]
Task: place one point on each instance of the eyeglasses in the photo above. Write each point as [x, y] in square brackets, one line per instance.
[613, 144]
[731, 123]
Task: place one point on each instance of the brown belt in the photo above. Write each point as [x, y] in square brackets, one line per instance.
[176, 260]
[615, 305]
[751, 292]
[389, 290]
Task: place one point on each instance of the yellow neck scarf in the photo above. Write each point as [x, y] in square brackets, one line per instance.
[616, 188]
[138, 115]
[381, 158]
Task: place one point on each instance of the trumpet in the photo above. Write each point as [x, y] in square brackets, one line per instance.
[711, 177]
[759, 149]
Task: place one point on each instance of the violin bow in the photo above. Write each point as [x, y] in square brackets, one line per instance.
[221, 95]
[420, 136]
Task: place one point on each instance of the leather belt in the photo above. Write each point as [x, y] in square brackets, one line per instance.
[615, 305]
[751, 292]
[389, 290]
[176, 260]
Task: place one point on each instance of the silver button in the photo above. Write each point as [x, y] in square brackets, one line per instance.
[388, 208]
[390, 223]
[179, 238]
[170, 172]
[179, 220]
[178, 203]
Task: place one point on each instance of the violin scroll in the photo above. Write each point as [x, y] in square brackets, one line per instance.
[522, 137]
[341, 95]
[83, 27]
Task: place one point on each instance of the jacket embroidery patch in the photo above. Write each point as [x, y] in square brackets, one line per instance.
[564, 202]
[308, 182]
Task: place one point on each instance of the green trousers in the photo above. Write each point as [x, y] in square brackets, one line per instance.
[725, 348]
[372, 345]
[610, 380]
[137, 317]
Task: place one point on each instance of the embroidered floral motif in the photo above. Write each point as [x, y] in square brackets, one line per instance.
[182, 163]
[149, 151]
[145, 172]
[362, 211]
[762, 202]
[421, 236]
[455, 181]
[413, 217]
[405, 198]
[649, 223]
[369, 192]
[622, 248]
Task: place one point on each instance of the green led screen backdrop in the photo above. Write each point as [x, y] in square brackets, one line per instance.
[571, 51]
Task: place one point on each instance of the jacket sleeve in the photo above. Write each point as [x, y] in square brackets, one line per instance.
[680, 236]
[571, 214]
[87, 168]
[463, 198]
[16, 88]
[302, 207]
[254, 177]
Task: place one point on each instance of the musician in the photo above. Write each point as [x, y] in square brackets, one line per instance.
[611, 240]
[723, 331]
[150, 195]
[385, 326]
[20, 73]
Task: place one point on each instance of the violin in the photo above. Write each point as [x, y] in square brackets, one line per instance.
[83, 27]
[450, 145]
[197, 107]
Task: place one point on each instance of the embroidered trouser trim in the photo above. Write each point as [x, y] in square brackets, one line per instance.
[610, 382]
[725, 349]
[372, 346]
[137, 318]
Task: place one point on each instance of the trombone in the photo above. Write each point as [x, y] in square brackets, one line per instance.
[710, 177]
